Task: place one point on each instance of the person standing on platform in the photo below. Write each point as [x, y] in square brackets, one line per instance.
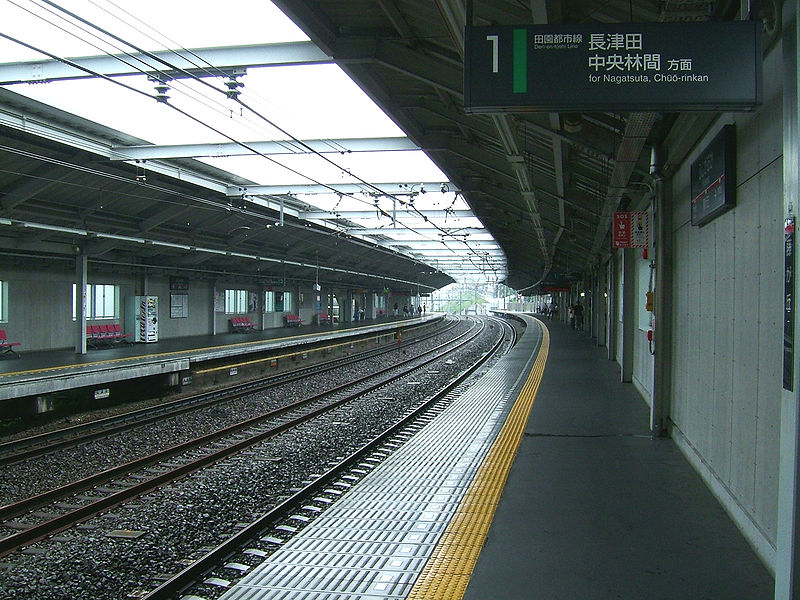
[578, 312]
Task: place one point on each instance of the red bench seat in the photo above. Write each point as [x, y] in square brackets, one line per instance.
[7, 347]
[242, 324]
[107, 334]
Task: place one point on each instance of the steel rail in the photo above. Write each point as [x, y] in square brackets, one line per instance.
[61, 522]
[182, 581]
[77, 434]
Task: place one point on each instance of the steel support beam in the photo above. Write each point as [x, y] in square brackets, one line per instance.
[320, 215]
[374, 189]
[222, 59]
[343, 146]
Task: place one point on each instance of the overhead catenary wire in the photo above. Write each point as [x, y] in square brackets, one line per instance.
[142, 67]
[303, 144]
[248, 147]
[368, 185]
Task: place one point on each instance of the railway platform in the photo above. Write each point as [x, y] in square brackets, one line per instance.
[539, 481]
[34, 373]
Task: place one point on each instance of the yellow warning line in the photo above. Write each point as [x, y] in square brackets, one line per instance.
[447, 573]
[186, 353]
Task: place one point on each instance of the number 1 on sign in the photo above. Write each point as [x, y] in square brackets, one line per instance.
[495, 39]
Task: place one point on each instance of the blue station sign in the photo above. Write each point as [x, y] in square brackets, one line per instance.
[715, 65]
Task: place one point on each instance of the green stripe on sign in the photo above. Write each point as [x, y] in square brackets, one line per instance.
[520, 61]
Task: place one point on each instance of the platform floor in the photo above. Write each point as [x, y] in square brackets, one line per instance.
[26, 360]
[592, 508]
[28, 374]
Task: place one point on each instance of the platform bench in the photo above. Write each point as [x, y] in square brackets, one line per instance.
[324, 319]
[242, 324]
[7, 347]
[98, 336]
[292, 320]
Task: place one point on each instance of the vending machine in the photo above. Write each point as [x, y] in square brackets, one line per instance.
[142, 317]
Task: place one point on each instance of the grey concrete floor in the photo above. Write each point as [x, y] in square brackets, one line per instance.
[595, 508]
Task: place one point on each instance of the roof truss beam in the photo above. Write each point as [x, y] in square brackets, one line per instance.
[369, 214]
[341, 146]
[225, 61]
[373, 189]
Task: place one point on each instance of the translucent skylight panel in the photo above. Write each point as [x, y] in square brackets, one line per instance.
[149, 24]
[306, 169]
[315, 102]
[308, 102]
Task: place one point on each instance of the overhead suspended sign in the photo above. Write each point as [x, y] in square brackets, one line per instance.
[714, 65]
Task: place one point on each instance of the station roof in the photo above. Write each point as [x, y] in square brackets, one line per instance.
[545, 184]
[167, 148]
[258, 158]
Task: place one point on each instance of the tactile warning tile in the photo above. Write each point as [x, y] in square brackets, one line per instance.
[410, 527]
[446, 575]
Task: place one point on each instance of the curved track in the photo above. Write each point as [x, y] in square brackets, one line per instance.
[130, 481]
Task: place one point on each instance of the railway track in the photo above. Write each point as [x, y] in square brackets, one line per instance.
[121, 484]
[236, 555]
[34, 446]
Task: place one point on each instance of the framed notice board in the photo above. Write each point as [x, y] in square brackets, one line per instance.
[713, 178]
[178, 306]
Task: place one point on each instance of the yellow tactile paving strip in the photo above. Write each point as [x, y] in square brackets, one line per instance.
[185, 353]
[447, 573]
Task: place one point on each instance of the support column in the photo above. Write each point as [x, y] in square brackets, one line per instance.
[787, 565]
[611, 306]
[629, 312]
[601, 305]
[213, 324]
[81, 271]
[662, 305]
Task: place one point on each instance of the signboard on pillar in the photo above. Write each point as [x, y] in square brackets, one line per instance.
[631, 230]
[713, 178]
[713, 65]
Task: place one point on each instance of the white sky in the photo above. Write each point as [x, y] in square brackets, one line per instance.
[309, 102]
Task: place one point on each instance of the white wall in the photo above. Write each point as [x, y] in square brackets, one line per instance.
[727, 293]
[40, 304]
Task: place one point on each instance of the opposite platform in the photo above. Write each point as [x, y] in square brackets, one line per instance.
[45, 372]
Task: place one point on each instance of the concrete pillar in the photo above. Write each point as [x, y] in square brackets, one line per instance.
[629, 312]
[213, 324]
[662, 366]
[787, 567]
[611, 306]
[81, 274]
